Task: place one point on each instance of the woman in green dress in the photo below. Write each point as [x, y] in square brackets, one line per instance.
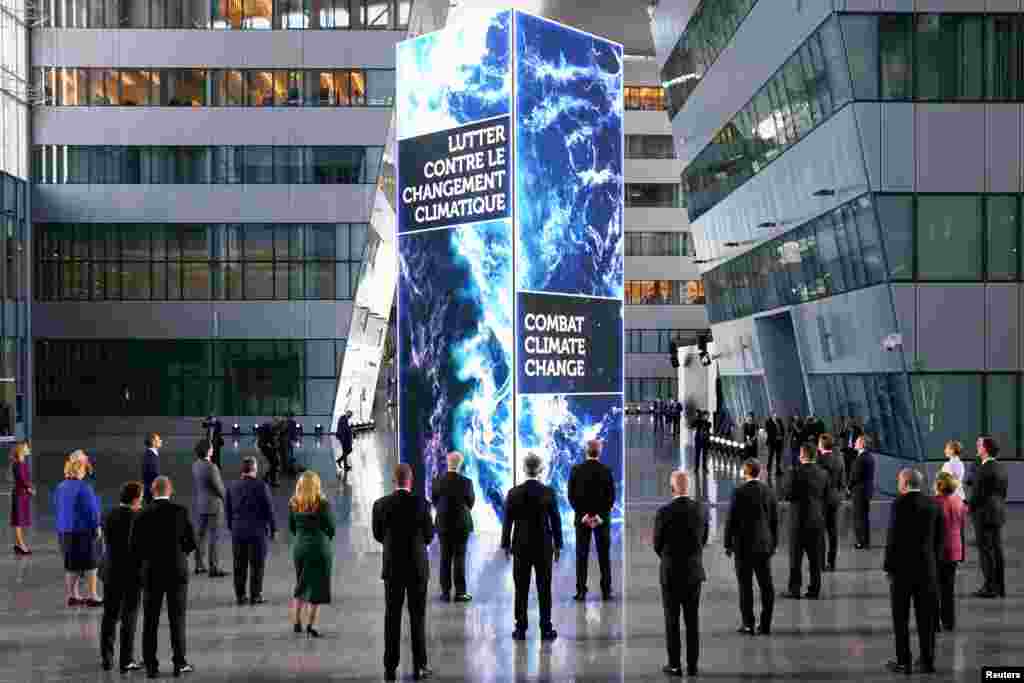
[311, 523]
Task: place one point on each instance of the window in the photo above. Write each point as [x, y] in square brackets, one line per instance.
[949, 58]
[654, 195]
[650, 147]
[658, 244]
[659, 341]
[1002, 215]
[641, 389]
[948, 406]
[949, 231]
[895, 35]
[896, 213]
[664, 292]
[644, 98]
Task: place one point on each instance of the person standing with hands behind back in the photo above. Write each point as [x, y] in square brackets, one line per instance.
[121, 581]
[453, 499]
[988, 508]
[592, 497]
[532, 536]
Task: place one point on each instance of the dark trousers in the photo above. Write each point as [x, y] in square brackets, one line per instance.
[807, 542]
[250, 556]
[849, 455]
[700, 453]
[990, 557]
[522, 567]
[923, 595]
[759, 565]
[947, 600]
[152, 605]
[603, 535]
[273, 463]
[120, 604]
[687, 599]
[453, 561]
[831, 534]
[395, 593]
[774, 457]
[862, 519]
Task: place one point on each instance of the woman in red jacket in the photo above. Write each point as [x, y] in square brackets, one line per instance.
[21, 498]
[954, 514]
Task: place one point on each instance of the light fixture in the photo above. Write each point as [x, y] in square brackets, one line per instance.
[768, 224]
[824, 192]
[730, 244]
[236, 431]
[319, 430]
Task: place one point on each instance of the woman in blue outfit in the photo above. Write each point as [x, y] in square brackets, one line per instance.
[78, 525]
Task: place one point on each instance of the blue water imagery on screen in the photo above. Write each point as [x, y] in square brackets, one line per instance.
[455, 358]
[557, 429]
[454, 76]
[569, 149]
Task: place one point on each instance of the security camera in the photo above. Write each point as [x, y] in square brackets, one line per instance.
[893, 342]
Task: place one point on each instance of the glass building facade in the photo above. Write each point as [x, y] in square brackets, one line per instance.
[15, 325]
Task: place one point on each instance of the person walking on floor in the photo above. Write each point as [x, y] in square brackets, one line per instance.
[345, 441]
[453, 498]
[311, 524]
[988, 510]
[78, 525]
[402, 524]
[806, 491]
[751, 536]
[912, 550]
[208, 506]
[954, 465]
[680, 533]
[150, 465]
[592, 497]
[21, 496]
[162, 540]
[836, 468]
[532, 535]
[775, 431]
[250, 518]
[120, 574]
[954, 516]
[862, 490]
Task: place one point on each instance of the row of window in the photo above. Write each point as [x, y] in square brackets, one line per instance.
[810, 87]
[664, 292]
[654, 196]
[184, 377]
[947, 57]
[837, 252]
[658, 341]
[100, 87]
[13, 89]
[13, 228]
[708, 31]
[650, 147]
[253, 15]
[644, 98]
[205, 165]
[254, 261]
[658, 244]
[643, 389]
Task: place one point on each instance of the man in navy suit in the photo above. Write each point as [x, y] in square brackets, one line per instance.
[862, 489]
[150, 465]
[250, 519]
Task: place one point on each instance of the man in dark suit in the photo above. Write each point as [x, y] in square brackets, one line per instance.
[592, 497]
[401, 522]
[121, 581]
[162, 539]
[453, 497]
[215, 435]
[912, 552]
[701, 440]
[807, 487]
[833, 463]
[848, 446]
[862, 490]
[266, 441]
[345, 441]
[532, 534]
[150, 465]
[250, 519]
[776, 434]
[988, 511]
[752, 535]
[750, 437]
[680, 534]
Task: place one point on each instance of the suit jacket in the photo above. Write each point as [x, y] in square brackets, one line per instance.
[532, 525]
[453, 499]
[749, 432]
[775, 430]
[345, 434]
[119, 566]
[207, 489]
[862, 475]
[150, 471]
[753, 526]
[833, 463]
[954, 515]
[249, 509]
[401, 522]
[162, 539]
[916, 540]
[680, 533]
[592, 490]
[988, 494]
[806, 491]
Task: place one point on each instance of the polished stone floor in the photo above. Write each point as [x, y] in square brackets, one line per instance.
[844, 637]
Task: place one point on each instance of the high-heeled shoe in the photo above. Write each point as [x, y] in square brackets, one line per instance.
[18, 550]
[312, 632]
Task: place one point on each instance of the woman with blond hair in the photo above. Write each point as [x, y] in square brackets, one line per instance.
[78, 524]
[311, 523]
[21, 497]
[954, 514]
[954, 466]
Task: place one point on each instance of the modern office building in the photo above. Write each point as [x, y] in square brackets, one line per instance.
[664, 292]
[203, 175]
[855, 184]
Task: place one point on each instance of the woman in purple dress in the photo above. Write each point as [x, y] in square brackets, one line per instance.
[21, 497]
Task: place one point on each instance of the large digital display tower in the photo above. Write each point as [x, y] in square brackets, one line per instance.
[510, 237]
